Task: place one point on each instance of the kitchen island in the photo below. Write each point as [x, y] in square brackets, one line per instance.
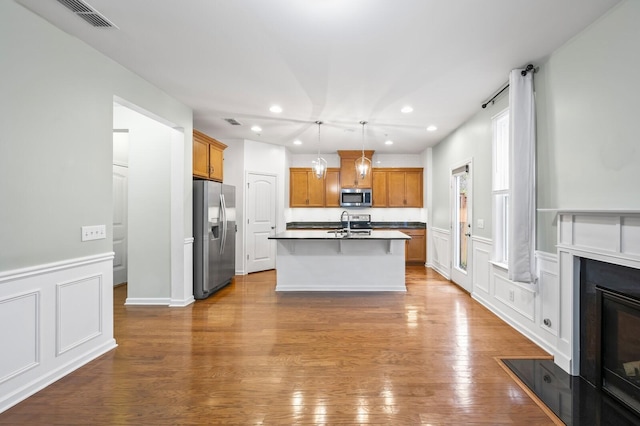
[335, 261]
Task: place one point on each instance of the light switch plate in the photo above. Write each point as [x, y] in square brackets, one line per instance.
[94, 232]
[480, 223]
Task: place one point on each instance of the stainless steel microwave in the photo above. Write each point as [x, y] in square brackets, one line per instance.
[355, 197]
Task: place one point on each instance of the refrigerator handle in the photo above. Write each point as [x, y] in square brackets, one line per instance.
[223, 215]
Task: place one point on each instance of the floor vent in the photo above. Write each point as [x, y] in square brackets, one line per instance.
[88, 13]
[232, 121]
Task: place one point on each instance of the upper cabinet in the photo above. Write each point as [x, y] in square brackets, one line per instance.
[207, 157]
[305, 190]
[400, 187]
[332, 188]
[348, 177]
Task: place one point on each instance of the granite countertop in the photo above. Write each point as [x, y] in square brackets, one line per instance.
[375, 225]
[329, 235]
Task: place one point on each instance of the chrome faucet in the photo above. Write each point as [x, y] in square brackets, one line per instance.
[348, 221]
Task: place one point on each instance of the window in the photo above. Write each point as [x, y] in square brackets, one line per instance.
[501, 186]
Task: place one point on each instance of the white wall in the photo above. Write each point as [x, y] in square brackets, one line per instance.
[587, 112]
[56, 146]
[149, 204]
[246, 156]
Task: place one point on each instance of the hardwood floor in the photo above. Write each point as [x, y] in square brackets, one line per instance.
[248, 355]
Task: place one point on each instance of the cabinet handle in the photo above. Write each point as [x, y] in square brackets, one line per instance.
[546, 378]
[547, 322]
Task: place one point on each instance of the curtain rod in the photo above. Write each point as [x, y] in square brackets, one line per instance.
[528, 68]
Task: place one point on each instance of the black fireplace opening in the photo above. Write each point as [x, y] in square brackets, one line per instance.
[619, 355]
[610, 330]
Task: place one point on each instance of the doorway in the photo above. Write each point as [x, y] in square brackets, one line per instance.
[261, 221]
[120, 186]
[461, 225]
[154, 204]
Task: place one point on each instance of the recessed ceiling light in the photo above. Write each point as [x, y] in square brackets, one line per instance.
[256, 129]
[406, 109]
[297, 142]
[432, 128]
[275, 108]
[388, 143]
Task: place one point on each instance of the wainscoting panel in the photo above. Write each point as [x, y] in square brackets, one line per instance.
[630, 236]
[521, 306]
[79, 316]
[60, 316]
[549, 288]
[441, 251]
[599, 232]
[19, 334]
[182, 295]
[516, 297]
[481, 264]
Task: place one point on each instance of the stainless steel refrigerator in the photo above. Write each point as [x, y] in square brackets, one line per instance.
[214, 232]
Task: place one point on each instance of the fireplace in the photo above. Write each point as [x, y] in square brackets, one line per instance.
[610, 329]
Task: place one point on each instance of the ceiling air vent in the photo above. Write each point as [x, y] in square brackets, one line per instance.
[86, 12]
[232, 121]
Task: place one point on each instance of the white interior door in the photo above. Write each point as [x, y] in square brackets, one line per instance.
[461, 226]
[261, 222]
[120, 182]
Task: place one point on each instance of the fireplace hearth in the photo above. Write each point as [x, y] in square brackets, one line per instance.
[610, 330]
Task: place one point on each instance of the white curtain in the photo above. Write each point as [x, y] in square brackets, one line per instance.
[522, 198]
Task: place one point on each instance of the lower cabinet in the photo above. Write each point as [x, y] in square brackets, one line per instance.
[415, 251]
[416, 248]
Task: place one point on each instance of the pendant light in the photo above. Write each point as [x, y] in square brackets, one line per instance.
[363, 164]
[320, 164]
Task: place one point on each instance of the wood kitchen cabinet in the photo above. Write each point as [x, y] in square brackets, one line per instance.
[379, 188]
[416, 249]
[332, 188]
[348, 177]
[304, 189]
[397, 187]
[405, 188]
[207, 157]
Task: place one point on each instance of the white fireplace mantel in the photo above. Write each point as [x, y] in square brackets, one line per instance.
[611, 236]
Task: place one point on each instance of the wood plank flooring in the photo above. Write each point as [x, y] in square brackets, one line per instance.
[251, 356]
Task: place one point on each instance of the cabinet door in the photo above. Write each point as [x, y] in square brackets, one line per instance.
[332, 188]
[396, 189]
[215, 163]
[379, 188]
[413, 189]
[200, 158]
[348, 177]
[315, 191]
[416, 249]
[348, 173]
[298, 190]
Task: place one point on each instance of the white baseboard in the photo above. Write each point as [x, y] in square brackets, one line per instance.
[173, 303]
[147, 301]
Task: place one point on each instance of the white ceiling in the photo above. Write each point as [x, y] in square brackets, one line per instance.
[338, 61]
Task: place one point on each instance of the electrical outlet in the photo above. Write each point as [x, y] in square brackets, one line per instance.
[480, 223]
[95, 232]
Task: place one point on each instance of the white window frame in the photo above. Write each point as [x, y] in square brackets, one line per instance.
[500, 186]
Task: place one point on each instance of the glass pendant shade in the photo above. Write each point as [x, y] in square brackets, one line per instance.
[319, 164]
[363, 164]
[320, 168]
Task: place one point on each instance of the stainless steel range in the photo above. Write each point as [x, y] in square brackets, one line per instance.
[357, 223]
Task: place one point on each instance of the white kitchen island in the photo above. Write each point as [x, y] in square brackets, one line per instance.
[329, 261]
